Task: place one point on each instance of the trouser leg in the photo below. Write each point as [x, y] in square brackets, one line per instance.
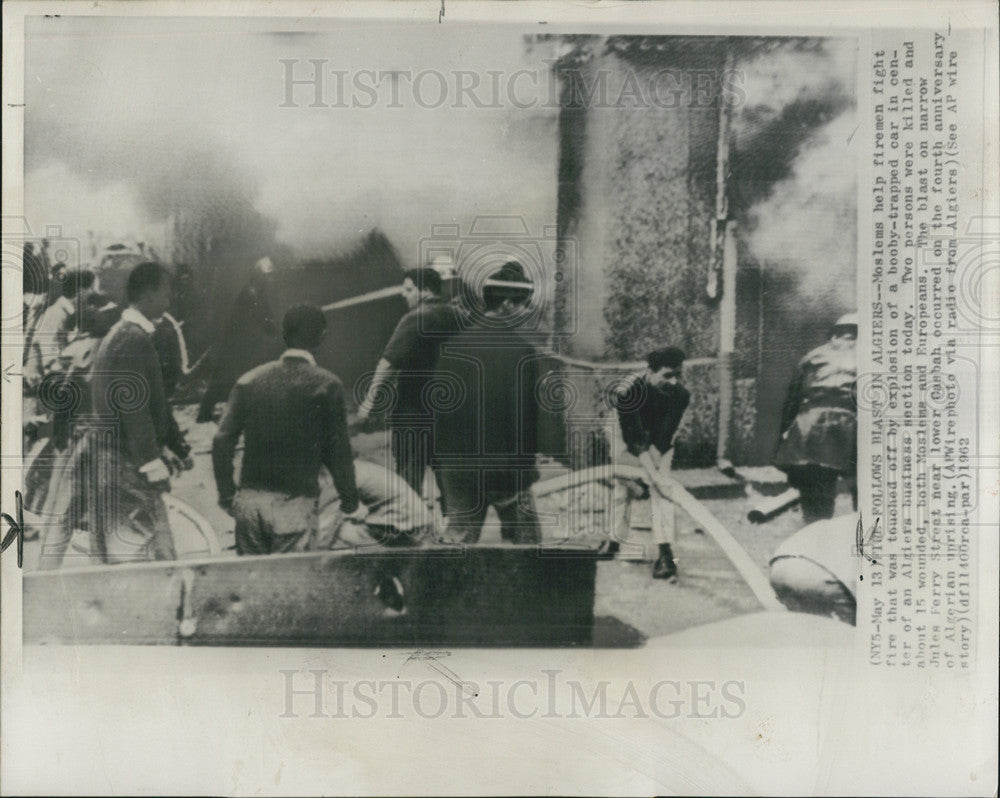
[466, 505]
[50, 495]
[664, 514]
[126, 515]
[818, 489]
[215, 392]
[162, 544]
[141, 531]
[411, 454]
[271, 523]
[206, 405]
[519, 521]
[94, 495]
[54, 540]
[440, 486]
[251, 532]
[668, 510]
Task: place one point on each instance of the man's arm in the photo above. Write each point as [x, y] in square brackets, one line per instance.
[679, 402]
[224, 444]
[176, 441]
[167, 346]
[337, 455]
[628, 404]
[384, 372]
[137, 359]
[401, 349]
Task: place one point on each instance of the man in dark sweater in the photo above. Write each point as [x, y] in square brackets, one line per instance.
[292, 416]
[128, 520]
[486, 434]
[650, 407]
[409, 359]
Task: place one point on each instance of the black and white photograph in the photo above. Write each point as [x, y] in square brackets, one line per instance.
[495, 313]
[453, 371]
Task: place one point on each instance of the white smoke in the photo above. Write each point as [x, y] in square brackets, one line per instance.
[809, 222]
[188, 112]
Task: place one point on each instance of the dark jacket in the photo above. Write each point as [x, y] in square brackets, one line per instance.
[293, 419]
[819, 419]
[127, 385]
[649, 416]
[487, 413]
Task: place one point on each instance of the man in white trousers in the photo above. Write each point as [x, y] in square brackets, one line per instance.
[650, 407]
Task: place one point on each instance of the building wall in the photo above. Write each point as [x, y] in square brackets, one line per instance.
[637, 195]
[645, 179]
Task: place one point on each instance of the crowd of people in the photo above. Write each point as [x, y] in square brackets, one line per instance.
[98, 379]
[459, 387]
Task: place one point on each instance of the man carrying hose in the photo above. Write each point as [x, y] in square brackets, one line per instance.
[650, 407]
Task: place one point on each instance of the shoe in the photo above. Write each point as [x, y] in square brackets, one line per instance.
[390, 592]
[608, 549]
[665, 566]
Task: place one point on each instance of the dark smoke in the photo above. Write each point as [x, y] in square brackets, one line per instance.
[766, 152]
[200, 194]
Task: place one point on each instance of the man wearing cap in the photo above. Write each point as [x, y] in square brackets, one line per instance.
[819, 422]
[486, 435]
[292, 416]
[409, 360]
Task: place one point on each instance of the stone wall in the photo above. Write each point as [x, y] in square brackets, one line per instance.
[639, 211]
[637, 195]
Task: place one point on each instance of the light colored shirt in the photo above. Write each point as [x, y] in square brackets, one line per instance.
[134, 316]
[51, 334]
[302, 354]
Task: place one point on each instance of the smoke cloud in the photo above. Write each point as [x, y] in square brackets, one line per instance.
[793, 169]
[175, 116]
